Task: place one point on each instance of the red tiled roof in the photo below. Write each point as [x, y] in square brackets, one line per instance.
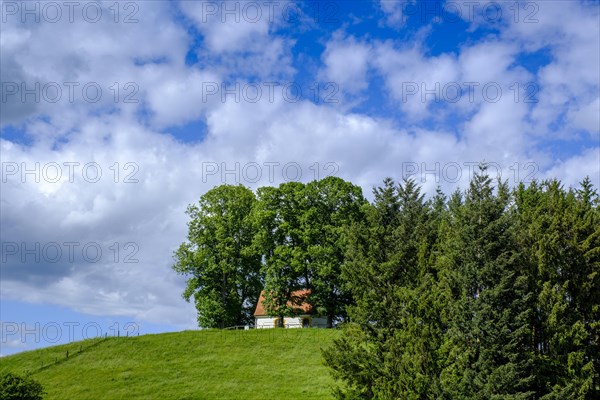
[305, 307]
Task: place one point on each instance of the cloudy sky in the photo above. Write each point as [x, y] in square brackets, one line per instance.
[116, 115]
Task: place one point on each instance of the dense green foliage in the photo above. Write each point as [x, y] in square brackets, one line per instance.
[16, 387]
[220, 259]
[290, 238]
[301, 230]
[388, 351]
[491, 294]
[208, 364]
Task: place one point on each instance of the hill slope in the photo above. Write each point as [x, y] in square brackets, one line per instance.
[255, 364]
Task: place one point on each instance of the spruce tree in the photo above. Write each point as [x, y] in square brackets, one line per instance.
[486, 343]
[560, 235]
[386, 352]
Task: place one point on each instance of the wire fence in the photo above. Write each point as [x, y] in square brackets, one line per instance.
[53, 357]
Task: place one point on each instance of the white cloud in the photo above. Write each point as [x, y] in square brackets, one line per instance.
[82, 67]
[229, 27]
[488, 61]
[569, 83]
[241, 36]
[178, 96]
[346, 63]
[572, 170]
[408, 75]
[587, 117]
[397, 12]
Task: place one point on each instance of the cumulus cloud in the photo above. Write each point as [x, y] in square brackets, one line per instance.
[346, 63]
[569, 83]
[410, 75]
[587, 117]
[574, 169]
[241, 36]
[105, 244]
[88, 67]
[397, 12]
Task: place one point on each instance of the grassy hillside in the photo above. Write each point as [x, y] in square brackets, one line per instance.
[255, 364]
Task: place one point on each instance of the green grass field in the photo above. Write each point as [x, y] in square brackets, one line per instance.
[256, 364]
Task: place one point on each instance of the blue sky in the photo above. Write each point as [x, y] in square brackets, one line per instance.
[115, 117]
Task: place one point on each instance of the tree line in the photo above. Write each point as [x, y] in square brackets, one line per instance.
[490, 293]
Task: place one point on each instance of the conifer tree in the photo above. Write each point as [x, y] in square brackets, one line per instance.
[560, 236]
[385, 352]
[486, 345]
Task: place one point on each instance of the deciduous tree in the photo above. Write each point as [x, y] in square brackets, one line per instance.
[220, 259]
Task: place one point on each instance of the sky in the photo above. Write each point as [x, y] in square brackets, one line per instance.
[115, 115]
